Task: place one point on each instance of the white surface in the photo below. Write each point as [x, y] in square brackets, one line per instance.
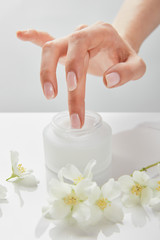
[136, 143]
[20, 61]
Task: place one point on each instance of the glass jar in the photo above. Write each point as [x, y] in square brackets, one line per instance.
[63, 144]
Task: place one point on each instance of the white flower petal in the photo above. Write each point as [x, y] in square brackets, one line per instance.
[146, 195]
[126, 182]
[59, 189]
[14, 161]
[95, 194]
[155, 204]
[88, 169]
[81, 213]
[3, 192]
[16, 172]
[85, 189]
[140, 177]
[28, 181]
[96, 215]
[130, 200]
[28, 171]
[69, 172]
[111, 189]
[57, 210]
[25, 174]
[114, 213]
[153, 183]
[156, 194]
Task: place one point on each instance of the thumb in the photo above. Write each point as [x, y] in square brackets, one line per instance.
[119, 74]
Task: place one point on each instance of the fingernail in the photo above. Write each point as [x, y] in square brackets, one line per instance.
[75, 121]
[71, 81]
[48, 90]
[112, 79]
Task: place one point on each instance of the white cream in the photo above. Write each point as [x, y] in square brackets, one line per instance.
[63, 145]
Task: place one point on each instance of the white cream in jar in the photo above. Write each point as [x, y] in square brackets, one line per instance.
[63, 144]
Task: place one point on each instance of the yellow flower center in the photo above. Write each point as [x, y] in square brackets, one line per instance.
[158, 188]
[137, 189]
[102, 203]
[21, 168]
[71, 199]
[78, 180]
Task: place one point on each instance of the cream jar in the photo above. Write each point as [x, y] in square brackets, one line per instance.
[63, 144]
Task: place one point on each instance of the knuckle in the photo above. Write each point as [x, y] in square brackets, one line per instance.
[50, 45]
[81, 26]
[44, 74]
[80, 41]
[70, 64]
[32, 31]
[106, 29]
[105, 25]
[47, 45]
[77, 36]
[76, 100]
[75, 62]
[72, 59]
[99, 22]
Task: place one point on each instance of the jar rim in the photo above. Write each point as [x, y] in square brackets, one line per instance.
[89, 116]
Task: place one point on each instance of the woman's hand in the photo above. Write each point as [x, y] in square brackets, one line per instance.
[96, 49]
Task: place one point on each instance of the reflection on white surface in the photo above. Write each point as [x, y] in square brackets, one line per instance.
[138, 215]
[69, 232]
[134, 149]
[18, 188]
[41, 227]
[157, 215]
[153, 125]
[1, 203]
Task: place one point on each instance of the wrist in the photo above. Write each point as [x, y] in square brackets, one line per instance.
[129, 36]
[135, 45]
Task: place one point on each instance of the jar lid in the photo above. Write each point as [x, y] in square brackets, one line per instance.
[61, 122]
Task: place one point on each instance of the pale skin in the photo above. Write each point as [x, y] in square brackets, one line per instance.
[101, 49]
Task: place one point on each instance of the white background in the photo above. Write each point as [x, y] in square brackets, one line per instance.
[20, 88]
